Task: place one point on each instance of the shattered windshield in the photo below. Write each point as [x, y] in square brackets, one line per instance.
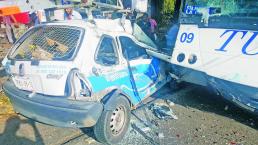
[47, 43]
[142, 37]
[227, 7]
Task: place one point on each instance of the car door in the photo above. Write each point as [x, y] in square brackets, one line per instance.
[144, 68]
[106, 70]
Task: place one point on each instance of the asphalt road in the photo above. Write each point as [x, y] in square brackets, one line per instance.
[203, 118]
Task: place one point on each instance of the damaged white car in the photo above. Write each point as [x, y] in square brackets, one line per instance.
[76, 74]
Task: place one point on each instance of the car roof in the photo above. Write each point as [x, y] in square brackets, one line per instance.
[112, 27]
[106, 26]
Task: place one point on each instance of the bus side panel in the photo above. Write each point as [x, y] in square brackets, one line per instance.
[230, 55]
[186, 58]
[187, 45]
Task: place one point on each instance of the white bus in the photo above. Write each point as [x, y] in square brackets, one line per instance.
[216, 44]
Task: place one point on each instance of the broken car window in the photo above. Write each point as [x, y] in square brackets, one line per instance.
[142, 37]
[133, 50]
[106, 54]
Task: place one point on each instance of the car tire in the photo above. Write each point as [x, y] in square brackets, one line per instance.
[113, 125]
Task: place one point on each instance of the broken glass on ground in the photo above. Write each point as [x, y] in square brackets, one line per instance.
[162, 111]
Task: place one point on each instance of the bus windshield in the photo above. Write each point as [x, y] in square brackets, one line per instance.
[226, 14]
[247, 8]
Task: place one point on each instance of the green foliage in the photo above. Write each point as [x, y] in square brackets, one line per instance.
[165, 19]
[167, 11]
[168, 6]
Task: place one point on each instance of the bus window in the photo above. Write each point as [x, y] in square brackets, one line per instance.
[228, 7]
[240, 14]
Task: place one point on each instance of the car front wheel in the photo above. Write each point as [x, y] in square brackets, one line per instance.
[113, 125]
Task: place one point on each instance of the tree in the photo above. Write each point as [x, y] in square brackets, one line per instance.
[168, 6]
[167, 11]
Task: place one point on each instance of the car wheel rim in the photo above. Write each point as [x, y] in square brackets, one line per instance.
[117, 120]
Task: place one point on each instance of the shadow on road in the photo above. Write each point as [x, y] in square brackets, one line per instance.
[9, 137]
[89, 132]
[206, 100]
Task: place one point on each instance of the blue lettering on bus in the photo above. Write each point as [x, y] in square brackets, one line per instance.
[191, 10]
[188, 38]
[233, 34]
[248, 43]
[183, 37]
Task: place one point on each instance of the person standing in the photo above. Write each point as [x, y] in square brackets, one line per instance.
[148, 26]
[144, 24]
[41, 16]
[70, 14]
[38, 17]
[9, 22]
[153, 28]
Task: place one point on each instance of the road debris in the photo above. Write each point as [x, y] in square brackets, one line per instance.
[146, 129]
[162, 111]
[155, 123]
[226, 108]
[146, 136]
[161, 135]
[170, 103]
